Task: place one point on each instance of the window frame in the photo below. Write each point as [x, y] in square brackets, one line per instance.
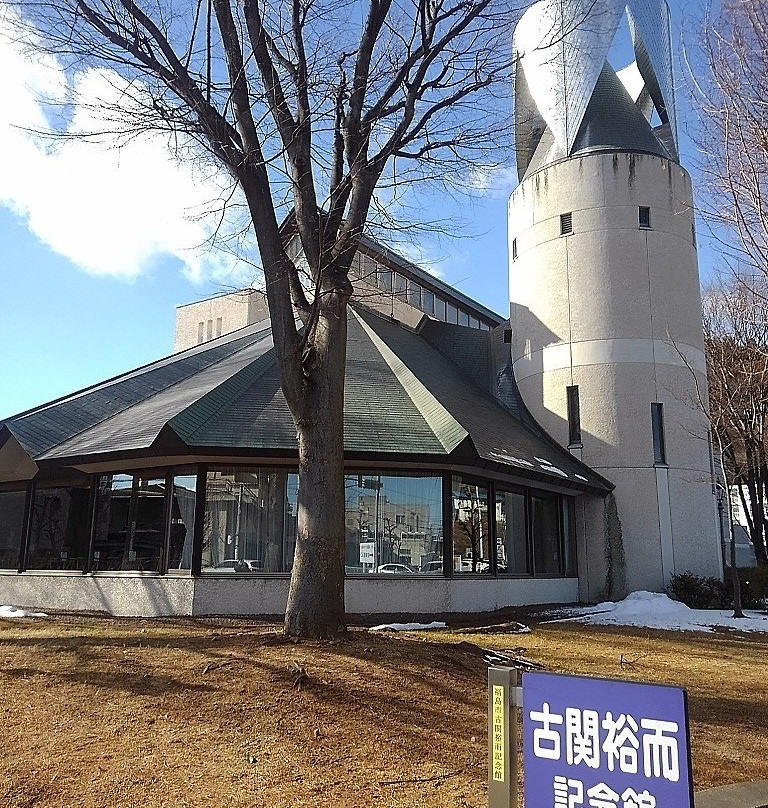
[658, 434]
[573, 408]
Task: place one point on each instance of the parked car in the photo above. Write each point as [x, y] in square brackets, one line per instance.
[235, 565]
[395, 569]
[432, 567]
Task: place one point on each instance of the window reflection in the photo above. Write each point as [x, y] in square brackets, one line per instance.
[129, 532]
[182, 530]
[250, 521]
[11, 527]
[546, 534]
[59, 522]
[471, 534]
[394, 524]
[511, 541]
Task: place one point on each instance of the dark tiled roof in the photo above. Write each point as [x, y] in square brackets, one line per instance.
[497, 435]
[43, 428]
[404, 396]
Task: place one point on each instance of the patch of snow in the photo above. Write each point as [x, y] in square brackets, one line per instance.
[510, 459]
[656, 610]
[408, 626]
[553, 469]
[15, 611]
[579, 477]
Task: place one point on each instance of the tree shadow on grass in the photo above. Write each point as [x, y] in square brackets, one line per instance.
[138, 684]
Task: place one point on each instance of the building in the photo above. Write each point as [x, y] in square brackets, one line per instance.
[608, 348]
[559, 456]
[383, 280]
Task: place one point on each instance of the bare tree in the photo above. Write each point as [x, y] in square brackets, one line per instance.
[730, 79]
[736, 339]
[323, 108]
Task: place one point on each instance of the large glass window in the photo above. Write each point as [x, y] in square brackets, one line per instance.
[129, 533]
[511, 534]
[250, 521]
[401, 287]
[440, 308]
[11, 527]
[59, 527]
[546, 534]
[428, 301]
[414, 294]
[183, 498]
[471, 532]
[394, 524]
[384, 278]
[451, 313]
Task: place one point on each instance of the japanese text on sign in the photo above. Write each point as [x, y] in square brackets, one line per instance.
[499, 720]
[591, 743]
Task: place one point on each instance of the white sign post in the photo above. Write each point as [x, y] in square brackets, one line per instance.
[368, 552]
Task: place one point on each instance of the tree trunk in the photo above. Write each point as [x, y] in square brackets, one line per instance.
[316, 595]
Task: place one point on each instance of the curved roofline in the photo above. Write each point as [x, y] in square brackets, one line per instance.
[593, 150]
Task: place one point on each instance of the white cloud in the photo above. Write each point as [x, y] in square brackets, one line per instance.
[110, 210]
[494, 182]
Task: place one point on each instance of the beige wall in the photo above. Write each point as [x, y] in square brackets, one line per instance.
[219, 315]
[239, 309]
[616, 310]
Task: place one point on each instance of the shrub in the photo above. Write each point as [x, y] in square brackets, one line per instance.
[698, 592]
[754, 586]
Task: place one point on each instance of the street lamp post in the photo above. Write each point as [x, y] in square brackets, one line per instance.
[737, 612]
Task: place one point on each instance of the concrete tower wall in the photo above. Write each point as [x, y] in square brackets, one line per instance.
[615, 308]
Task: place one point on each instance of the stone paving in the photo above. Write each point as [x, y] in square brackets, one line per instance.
[741, 795]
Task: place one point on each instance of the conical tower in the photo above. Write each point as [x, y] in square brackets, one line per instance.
[607, 341]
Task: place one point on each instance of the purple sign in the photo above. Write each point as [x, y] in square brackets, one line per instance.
[601, 743]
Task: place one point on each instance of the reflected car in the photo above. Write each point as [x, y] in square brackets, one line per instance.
[233, 565]
[480, 566]
[432, 567]
[395, 569]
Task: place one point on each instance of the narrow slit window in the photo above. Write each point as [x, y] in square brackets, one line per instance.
[218, 326]
[200, 332]
[574, 416]
[514, 249]
[566, 223]
[645, 218]
[693, 233]
[659, 444]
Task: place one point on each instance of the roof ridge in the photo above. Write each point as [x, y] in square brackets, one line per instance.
[444, 426]
[136, 371]
[127, 407]
[230, 387]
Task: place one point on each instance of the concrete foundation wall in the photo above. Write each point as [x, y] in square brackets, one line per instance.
[120, 595]
[155, 596]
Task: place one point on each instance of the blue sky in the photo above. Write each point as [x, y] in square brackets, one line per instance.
[97, 247]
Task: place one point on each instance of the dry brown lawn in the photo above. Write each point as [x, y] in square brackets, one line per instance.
[180, 714]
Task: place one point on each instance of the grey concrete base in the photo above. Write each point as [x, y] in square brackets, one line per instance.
[741, 795]
[136, 595]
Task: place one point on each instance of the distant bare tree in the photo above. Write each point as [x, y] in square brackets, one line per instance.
[736, 338]
[730, 78]
[327, 109]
